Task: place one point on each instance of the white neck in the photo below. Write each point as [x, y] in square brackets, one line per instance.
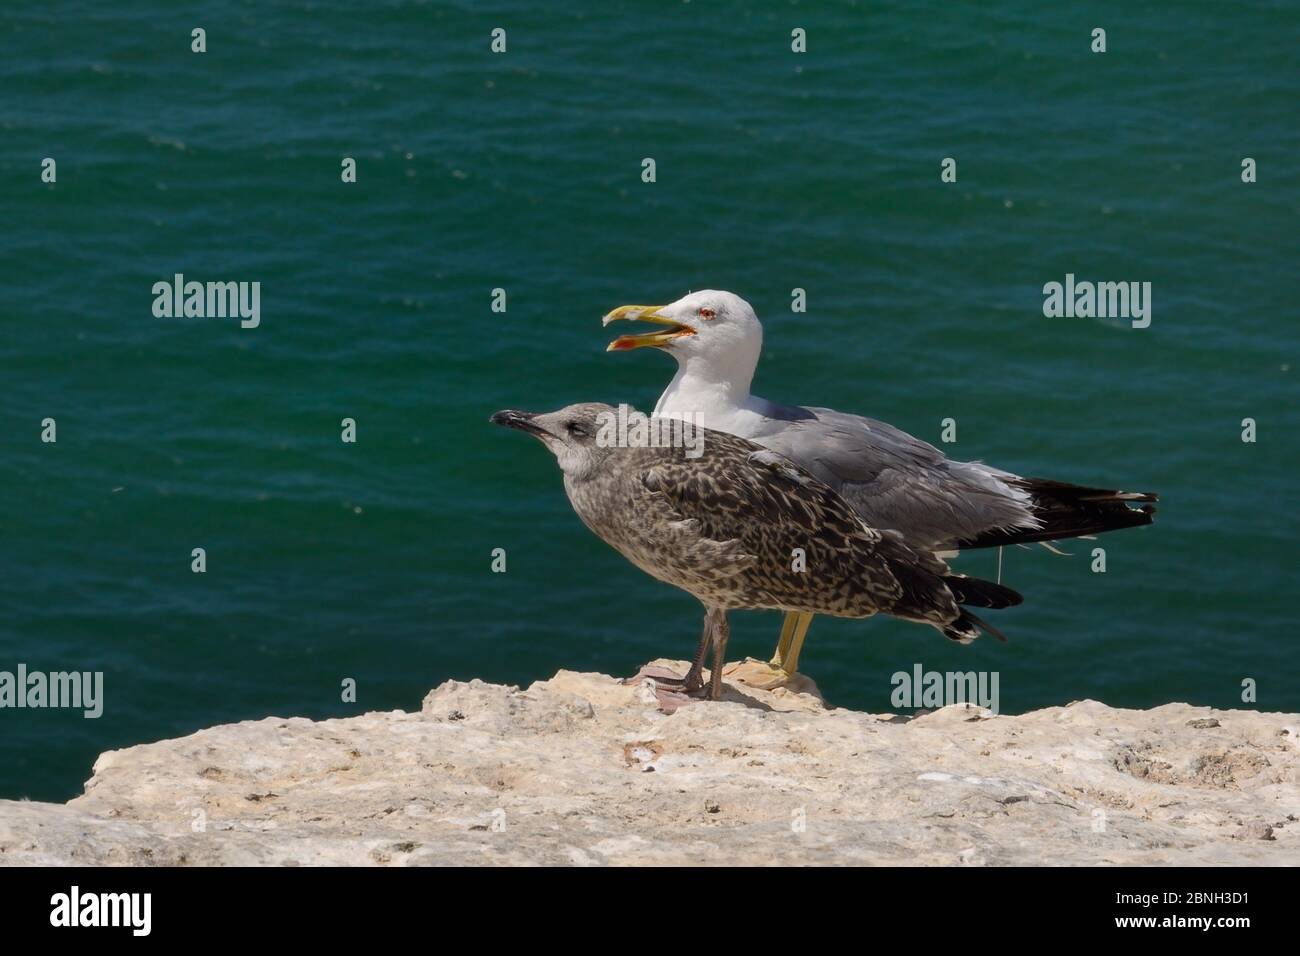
[712, 389]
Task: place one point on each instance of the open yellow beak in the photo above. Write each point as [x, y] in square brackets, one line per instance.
[644, 313]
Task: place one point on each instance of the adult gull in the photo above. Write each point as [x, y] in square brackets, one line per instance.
[890, 478]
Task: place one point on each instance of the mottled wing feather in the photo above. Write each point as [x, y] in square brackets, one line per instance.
[765, 506]
[688, 536]
[741, 485]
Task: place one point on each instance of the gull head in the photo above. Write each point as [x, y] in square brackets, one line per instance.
[576, 435]
[712, 327]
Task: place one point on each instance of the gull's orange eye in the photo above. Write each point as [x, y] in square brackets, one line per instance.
[706, 313]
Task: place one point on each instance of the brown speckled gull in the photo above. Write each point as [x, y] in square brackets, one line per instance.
[727, 527]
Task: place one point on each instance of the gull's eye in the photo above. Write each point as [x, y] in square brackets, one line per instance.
[576, 429]
[707, 313]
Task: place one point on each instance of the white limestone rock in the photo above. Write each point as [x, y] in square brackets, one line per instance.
[584, 770]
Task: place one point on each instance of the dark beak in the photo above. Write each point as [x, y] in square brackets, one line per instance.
[511, 418]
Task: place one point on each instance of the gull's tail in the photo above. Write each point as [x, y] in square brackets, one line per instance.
[976, 593]
[1064, 510]
[928, 586]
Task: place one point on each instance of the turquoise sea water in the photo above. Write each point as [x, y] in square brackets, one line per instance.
[522, 171]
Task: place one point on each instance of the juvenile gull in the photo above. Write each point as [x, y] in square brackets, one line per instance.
[725, 526]
[891, 479]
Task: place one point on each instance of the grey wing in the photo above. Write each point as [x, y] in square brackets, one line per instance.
[893, 480]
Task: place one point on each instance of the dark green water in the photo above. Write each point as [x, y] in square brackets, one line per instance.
[522, 171]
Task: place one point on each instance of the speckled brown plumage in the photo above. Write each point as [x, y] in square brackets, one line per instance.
[726, 527]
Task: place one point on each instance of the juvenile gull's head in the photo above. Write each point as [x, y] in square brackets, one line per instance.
[573, 434]
[715, 332]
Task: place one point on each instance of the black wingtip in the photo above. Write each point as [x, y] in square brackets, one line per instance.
[1071, 511]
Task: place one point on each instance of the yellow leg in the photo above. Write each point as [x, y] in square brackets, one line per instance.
[793, 631]
[787, 634]
[796, 645]
[782, 670]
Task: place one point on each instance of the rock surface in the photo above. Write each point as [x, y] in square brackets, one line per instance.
[583, 770]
